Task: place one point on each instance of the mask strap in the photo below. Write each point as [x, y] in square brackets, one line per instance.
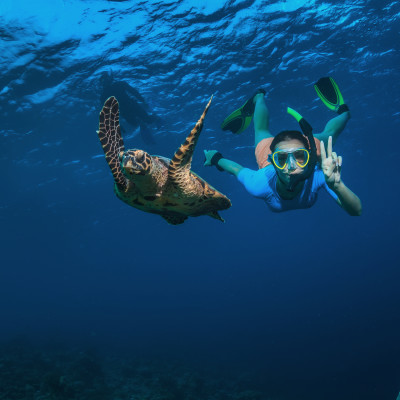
[307, 131]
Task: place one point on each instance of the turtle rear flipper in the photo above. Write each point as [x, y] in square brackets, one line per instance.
[175, 219]
[111, 140]
[214, 214]
[179, 166]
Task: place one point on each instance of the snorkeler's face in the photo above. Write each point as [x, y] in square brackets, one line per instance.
[292, 168]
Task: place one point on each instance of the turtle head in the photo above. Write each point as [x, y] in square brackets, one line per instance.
[135, 162]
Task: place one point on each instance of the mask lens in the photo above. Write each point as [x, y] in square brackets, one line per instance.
[280, 159]
[301, 156]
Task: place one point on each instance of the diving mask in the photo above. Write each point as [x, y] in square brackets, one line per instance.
[290, 158]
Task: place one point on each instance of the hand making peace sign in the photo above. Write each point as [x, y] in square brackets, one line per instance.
[331, 165]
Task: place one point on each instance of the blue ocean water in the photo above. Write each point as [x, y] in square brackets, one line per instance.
[299, 305]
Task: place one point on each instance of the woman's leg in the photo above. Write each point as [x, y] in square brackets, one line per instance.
[261, 119]
[333, 128]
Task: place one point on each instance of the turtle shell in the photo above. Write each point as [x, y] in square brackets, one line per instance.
[156, 184]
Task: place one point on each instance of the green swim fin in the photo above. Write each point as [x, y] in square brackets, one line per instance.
[240, 119]
[328, 91]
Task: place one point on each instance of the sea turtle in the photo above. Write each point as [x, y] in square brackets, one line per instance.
[156, 184]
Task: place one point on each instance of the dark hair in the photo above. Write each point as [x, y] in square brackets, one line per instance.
[287, 135]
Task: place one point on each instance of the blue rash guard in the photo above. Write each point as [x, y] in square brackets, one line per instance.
[262, 184]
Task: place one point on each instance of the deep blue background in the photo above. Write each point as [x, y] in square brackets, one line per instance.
[306, 301]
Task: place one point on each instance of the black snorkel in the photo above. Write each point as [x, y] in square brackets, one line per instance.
[307, 131]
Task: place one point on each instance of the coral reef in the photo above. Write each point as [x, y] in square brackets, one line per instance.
[28, 372]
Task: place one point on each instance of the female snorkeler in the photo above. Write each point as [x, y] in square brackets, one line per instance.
[293, 166]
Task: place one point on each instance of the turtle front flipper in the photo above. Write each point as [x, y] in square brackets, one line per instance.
[181, 162]
[110, 138]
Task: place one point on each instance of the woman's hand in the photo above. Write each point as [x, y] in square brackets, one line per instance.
[208, 154]
[331, 165]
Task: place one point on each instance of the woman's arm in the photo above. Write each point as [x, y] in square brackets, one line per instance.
[332, 166]
[348, 200]
[225, 164]
[255, 182]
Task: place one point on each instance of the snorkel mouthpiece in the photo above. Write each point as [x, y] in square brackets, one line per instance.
[307, 131]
